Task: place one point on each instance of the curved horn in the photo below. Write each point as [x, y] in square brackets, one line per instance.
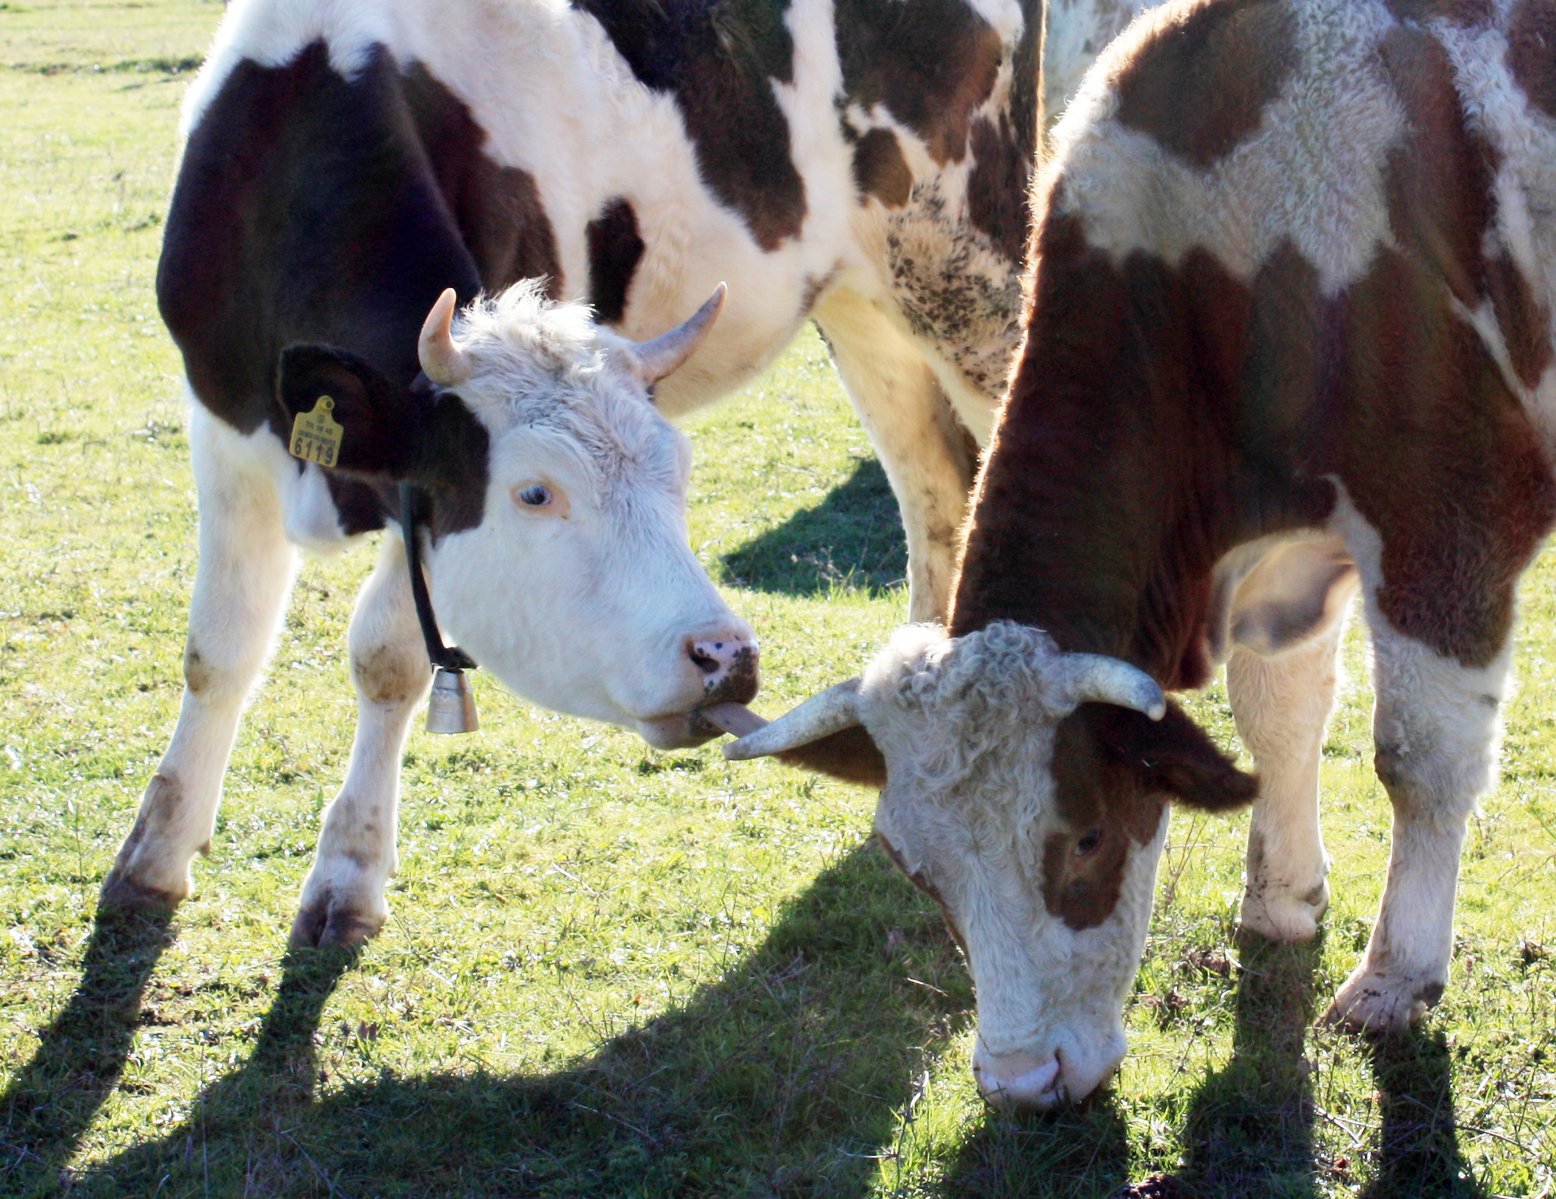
[443, 361]
[1105, 680]
[827, 712]
[660, 355]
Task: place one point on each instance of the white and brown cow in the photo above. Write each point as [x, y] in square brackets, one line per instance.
[1289, 334]
[864, 163]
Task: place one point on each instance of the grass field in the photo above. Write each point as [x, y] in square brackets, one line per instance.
[608, 971]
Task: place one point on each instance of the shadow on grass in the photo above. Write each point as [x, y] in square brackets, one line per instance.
[1250, 1124]
[1418, 1147]
[1075, 1153]
[52, 1100]
[853, 537]
[786, 1077]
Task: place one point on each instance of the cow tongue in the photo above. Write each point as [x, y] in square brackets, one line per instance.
[732, 718]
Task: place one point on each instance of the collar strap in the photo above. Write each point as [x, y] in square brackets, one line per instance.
[413, 512]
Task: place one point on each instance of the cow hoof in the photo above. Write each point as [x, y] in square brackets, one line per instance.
[122, 892]
[1376, 1004]
[328, 922]
[1281, 915]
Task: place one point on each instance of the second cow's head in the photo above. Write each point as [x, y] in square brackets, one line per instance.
[1025, 789]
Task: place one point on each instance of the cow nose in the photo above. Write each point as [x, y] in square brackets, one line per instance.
[729, 661]
[1011, 1080]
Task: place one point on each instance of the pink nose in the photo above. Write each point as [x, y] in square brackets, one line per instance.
[1019, 1079]
[730, 664]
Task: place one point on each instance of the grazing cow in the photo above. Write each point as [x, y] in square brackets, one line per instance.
[1289, 333]
[864, 163]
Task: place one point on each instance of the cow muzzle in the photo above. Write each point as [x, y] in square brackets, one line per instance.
[725, 665]
[1040, 1081]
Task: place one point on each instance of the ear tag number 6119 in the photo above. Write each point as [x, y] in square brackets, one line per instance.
[316, 435]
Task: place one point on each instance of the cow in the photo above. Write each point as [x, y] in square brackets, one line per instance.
[550, 502]
[1288, 336]
[864, 164]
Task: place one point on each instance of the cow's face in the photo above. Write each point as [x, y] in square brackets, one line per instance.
[1036, 823]
[556, 551]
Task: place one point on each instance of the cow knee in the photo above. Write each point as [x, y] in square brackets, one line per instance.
[389, 674]
[1424, 777]
[213, 670]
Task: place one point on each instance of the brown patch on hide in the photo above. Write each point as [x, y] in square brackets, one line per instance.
[1470, 14]
[997, 187]
[497, 208]
[1525, 323]
[719, 62]
[615, 249]
[1439, 182]
[1113, 771]
[310, 208]
[1463, 497]
[1442, 202]
[880, 170]
[1530, 38]
[1201, 85]
[932, 63]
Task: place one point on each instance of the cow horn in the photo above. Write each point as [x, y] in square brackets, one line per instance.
[443, 361]
[830, 711]
[1105, 680]
[660, 355]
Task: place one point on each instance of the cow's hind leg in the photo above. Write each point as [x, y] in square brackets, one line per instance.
[343, 899]
[242, 579]
[1287, 622]
[1435, 728]
[929, 458]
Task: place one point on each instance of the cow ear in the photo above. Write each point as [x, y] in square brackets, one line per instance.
[1175, 755]
[850, 755]
[381, 426]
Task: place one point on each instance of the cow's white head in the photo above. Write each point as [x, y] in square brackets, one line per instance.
[557, 550]
[1025, 790]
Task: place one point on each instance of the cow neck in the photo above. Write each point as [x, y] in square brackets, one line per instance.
[413, 513]
[1132, 453]
[1085, 521]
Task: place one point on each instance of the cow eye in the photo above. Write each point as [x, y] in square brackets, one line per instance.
[536, 495]
[1088, 842]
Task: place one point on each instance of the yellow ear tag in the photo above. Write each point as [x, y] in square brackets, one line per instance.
[316, 435]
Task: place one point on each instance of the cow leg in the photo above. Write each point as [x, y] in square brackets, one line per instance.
[1435, 729]
[1288, 618]
[928, 456]
[343, 898]
[1281, 705]
[243, 577]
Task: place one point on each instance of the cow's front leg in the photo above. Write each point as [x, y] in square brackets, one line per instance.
[1287, 620]
[244, 573]
[928, 456]
[343, 899]
[1435, 728]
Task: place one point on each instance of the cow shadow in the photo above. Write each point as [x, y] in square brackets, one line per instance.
[51, 1101]
[1418, 1145]
[770, 1054]
[852, 538]
[1249, 1129]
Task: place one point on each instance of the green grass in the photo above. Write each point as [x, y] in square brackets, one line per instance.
[608, 971]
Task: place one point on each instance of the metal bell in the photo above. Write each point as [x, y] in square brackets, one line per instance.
[451, 708]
